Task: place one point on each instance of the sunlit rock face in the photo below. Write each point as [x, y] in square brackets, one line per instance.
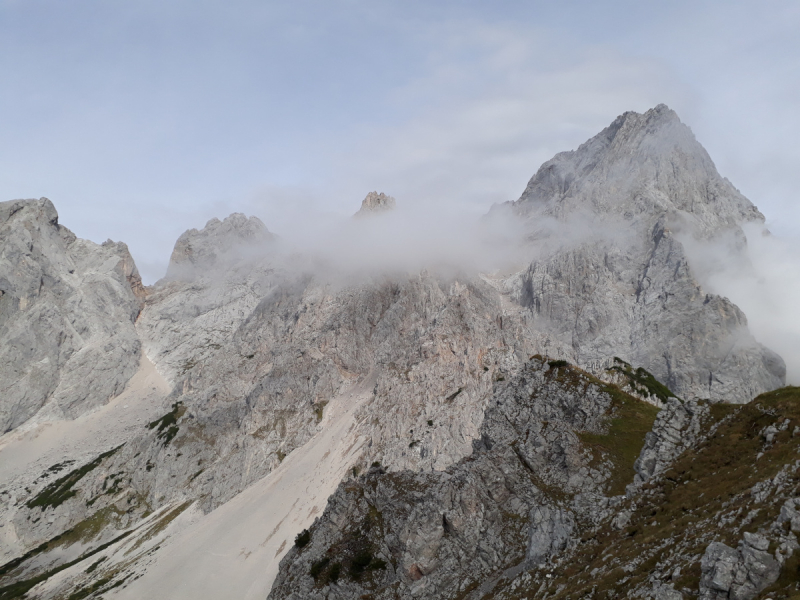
[67, 312]
[615, 279]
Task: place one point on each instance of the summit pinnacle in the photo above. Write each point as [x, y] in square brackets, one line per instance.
[376, 203]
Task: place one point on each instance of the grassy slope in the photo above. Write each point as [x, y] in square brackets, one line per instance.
[706, 496]
[628, 422]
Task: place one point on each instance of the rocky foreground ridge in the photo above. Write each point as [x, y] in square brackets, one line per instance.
[472, 466]
[541, 507]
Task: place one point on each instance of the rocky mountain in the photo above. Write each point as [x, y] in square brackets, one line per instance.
[544, 468]
[473, 431]
[624, 200]
[541, 507]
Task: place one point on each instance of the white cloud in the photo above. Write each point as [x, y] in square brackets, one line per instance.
[497, 102]
[764, 283]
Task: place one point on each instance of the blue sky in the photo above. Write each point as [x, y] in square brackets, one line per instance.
[143, 119]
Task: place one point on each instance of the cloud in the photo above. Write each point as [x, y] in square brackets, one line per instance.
[140, 123]
[762, 280]
[496, 102]
[409, 238]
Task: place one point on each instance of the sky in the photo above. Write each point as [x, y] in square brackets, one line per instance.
[140, 120]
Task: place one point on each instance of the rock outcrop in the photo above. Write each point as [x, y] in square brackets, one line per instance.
[67, 313]
[677, 427]
[738, 574]
[533, 482]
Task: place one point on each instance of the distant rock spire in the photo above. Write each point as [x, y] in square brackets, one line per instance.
[376, 203]
[201, 249]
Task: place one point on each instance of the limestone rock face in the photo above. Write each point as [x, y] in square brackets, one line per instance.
[67, 312]
[216, 277]
[614, 277]
[677, 427]
[550, 532]
[196, 251]
[269, 359]
[640, 167]
[376, 203]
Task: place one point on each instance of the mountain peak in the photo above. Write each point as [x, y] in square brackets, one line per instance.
[376, 203]
[660, 112]
[640, 167]
[202, 247]
[41, 209]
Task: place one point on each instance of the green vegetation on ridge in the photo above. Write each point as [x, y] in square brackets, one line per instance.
[641, 380]
[680, 512]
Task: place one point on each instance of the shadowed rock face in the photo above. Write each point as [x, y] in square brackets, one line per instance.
[67, 309]
[524, 495]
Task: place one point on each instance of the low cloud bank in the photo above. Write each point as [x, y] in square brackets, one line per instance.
[436, 236]
[409, 238]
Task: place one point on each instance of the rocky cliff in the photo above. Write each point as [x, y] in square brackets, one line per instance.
[472, 466]
[67, 313]
[555, 448]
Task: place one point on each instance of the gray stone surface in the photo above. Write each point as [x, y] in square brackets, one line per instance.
[677, 427]
[737, 574]
[550, 532]
[215, 279]
[791, 514]
[665, 592]
[67, 312]
[218, 244]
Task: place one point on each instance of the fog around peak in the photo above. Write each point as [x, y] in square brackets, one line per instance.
[761, 279]
[440, 237]
[407, 238]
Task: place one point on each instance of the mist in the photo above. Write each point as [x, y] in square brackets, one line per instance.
[409, 238]
[442, 237]
[763, 280]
